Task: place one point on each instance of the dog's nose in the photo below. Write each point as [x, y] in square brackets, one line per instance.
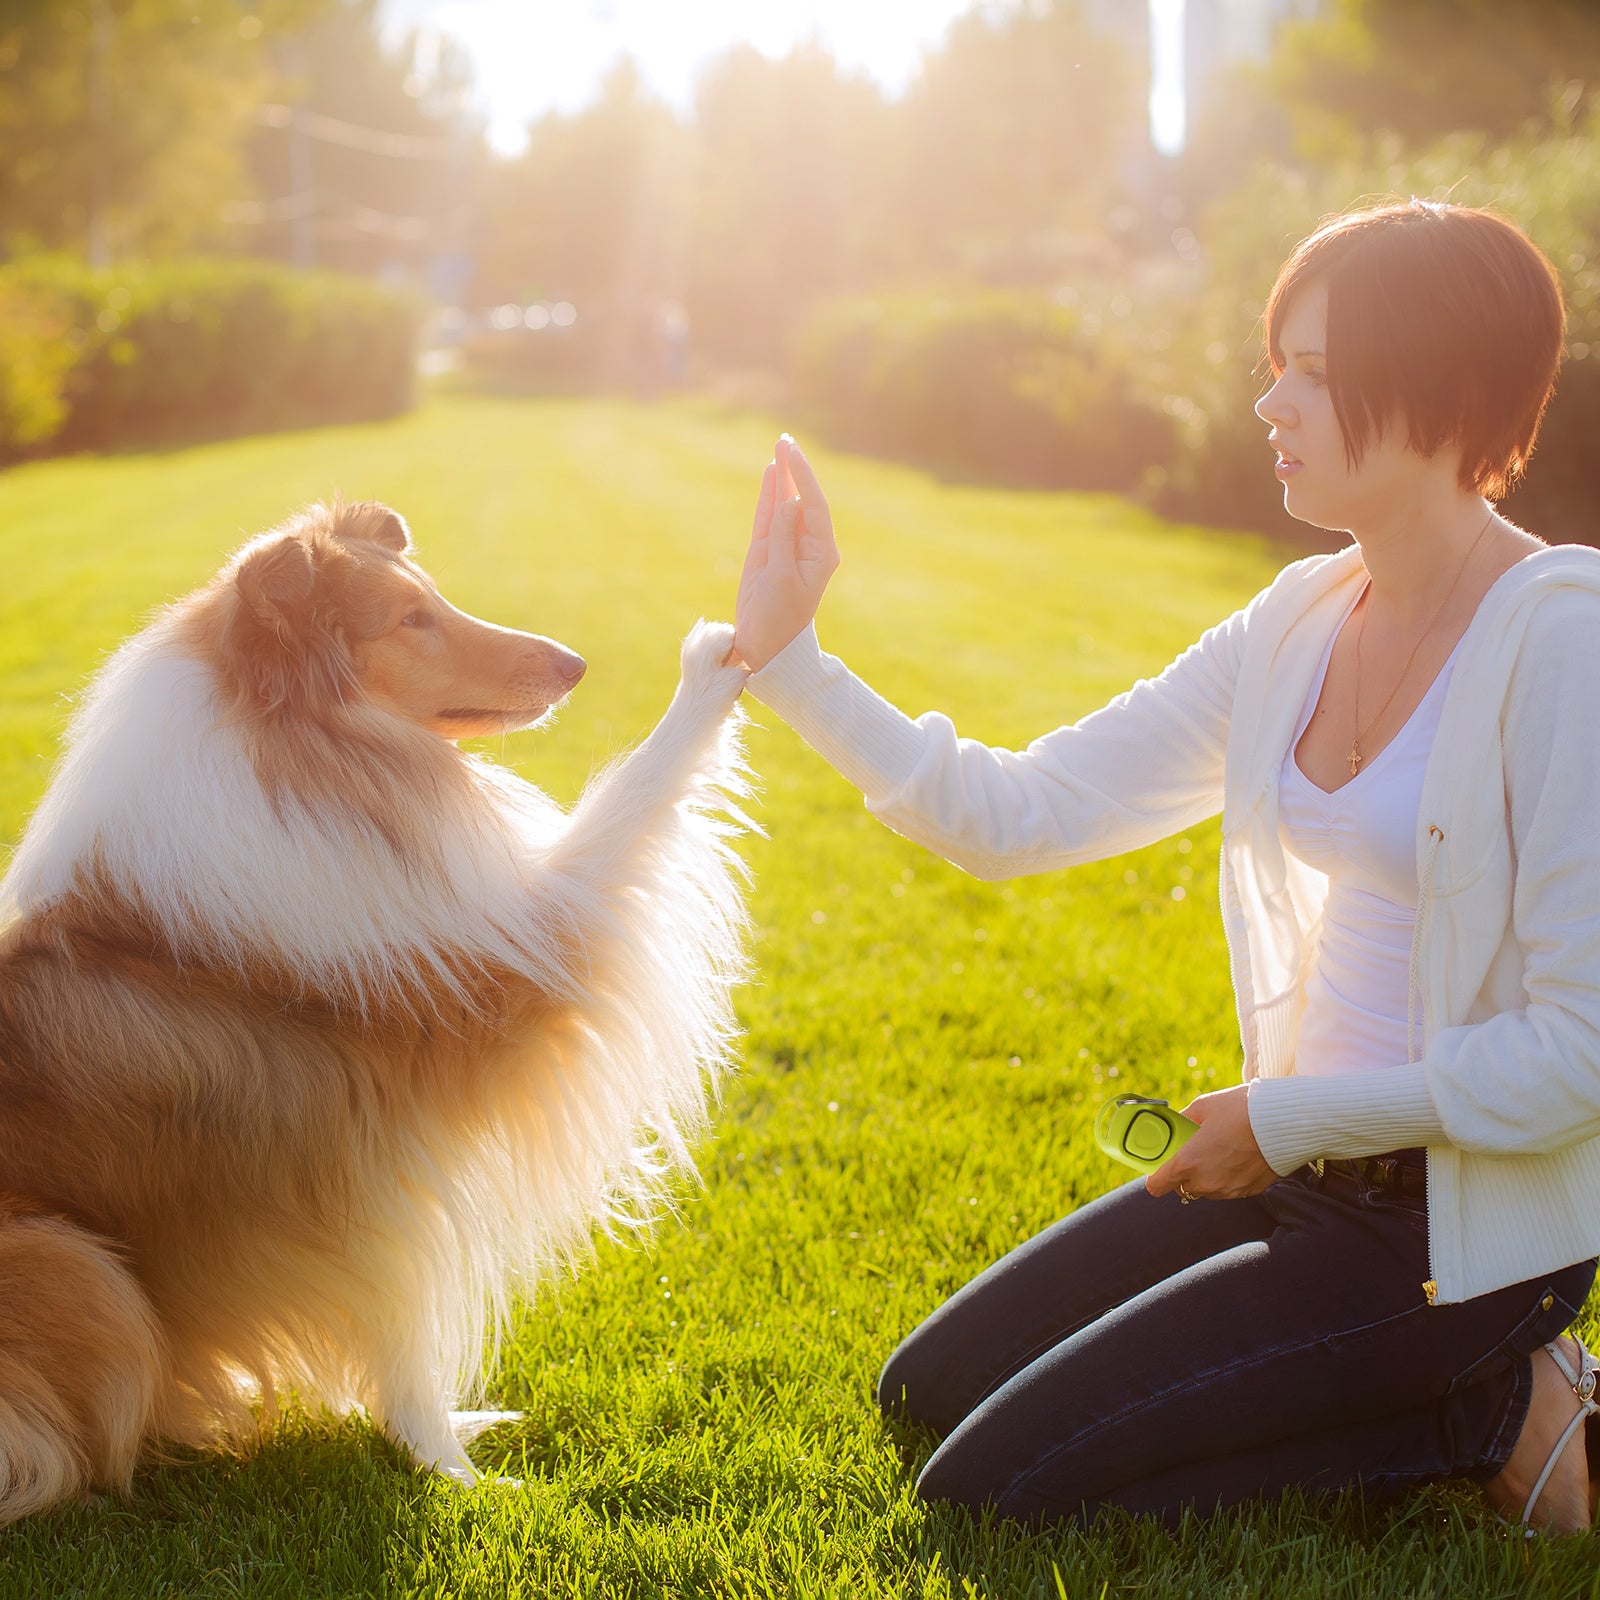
[570, 666]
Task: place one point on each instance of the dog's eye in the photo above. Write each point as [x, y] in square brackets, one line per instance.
[416, 619]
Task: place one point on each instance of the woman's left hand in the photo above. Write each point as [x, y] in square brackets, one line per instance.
[792, 555]
[1222, 1161]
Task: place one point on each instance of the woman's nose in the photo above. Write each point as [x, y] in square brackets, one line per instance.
[1274, 409]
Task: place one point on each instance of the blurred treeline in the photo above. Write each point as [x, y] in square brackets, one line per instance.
[166, 168]
[1484, 102]
[997, 277]
[994, 274]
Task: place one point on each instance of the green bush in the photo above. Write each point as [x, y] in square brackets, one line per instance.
[37, 354]
[1549, 186]
[999, 386]
[194, 349]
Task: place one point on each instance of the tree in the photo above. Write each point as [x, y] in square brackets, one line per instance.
[592, 211]
[373, 158]
[788, 196]
[1020, 125]
[1422, 69]
[122, 121]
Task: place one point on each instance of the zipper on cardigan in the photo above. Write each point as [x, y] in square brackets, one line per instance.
[1430, 1287]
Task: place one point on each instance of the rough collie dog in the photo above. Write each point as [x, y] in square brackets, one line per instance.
[320, 1038]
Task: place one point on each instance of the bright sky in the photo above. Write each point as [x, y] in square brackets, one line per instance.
[531, 56]
[534, 55]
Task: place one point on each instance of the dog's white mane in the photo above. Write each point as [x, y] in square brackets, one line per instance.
[156, 792]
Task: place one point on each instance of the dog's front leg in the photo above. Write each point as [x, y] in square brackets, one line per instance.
[690, 759]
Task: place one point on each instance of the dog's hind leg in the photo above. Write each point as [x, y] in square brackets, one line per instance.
[80, 1362]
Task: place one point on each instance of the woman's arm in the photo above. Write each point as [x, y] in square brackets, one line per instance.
[1147, 765]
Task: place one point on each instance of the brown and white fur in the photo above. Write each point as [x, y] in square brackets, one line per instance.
[320, 1038]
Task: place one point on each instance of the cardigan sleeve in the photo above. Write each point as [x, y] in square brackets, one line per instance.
[1144, 766]
[1526, 1080]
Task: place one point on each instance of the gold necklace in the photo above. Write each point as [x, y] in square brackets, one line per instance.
[1355, 757]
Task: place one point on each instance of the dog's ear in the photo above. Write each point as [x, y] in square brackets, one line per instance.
[276, 578]
[369, 519]
[277, 644]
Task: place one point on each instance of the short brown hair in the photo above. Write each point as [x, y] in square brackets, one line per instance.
[1446, 318]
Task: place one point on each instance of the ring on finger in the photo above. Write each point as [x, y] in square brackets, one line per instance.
[1184, 1196]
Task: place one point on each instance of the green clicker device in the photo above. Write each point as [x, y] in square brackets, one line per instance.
[1140, 1132]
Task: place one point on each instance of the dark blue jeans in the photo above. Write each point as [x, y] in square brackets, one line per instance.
[1152, 1355]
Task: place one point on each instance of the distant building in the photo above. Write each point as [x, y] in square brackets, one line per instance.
[1129, 22]
[1219, 33]
[1128, 19]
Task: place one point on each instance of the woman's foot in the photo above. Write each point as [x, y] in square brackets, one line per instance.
[1564, 1504]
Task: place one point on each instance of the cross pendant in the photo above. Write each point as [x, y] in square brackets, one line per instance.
[1355, 760]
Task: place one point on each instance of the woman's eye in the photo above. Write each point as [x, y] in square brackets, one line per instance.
[1320, 379]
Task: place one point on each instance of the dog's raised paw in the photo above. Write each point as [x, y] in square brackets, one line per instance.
[704, 659]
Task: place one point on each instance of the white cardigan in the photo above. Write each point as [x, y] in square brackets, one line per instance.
[1504, 1087]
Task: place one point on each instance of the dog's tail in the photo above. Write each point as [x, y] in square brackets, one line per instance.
[80, 1361]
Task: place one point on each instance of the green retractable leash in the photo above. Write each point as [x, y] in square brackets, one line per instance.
[1141, 1132]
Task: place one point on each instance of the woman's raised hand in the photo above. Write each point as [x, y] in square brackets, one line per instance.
[792, 555]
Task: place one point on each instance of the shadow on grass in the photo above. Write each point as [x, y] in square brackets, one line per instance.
[1437, 1542]
[315, 1509]
[331, 1509]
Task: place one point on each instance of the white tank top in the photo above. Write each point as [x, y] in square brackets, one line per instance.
[1364, 837]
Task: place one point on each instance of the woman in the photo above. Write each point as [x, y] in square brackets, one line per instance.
[1397, 1212]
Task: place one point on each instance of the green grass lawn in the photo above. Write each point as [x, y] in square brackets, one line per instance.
[923, 1060]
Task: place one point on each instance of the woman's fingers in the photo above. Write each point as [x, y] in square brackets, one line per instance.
[765, 501]
[1214, 1165]
[806, 486]
[781, 543]
[780, 458]
[819, 555]
[1161, 1181]
[755, 558]
[777, 595]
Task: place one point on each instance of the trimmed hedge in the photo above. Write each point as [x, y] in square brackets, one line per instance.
[193, 349]
[991, 385]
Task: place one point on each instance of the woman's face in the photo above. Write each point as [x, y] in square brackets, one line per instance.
[1319, 484]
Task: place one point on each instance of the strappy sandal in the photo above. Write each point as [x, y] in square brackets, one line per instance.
[1584, 1382]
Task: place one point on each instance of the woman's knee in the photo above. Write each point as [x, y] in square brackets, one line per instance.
[901, 1383]
[973, 1468]
[914, 1387]
[954, 1476]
